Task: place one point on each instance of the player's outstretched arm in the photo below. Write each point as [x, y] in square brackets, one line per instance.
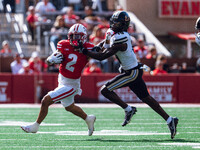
[106, 53]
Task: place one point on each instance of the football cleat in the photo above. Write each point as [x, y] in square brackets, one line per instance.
[90, 123]
[172, 126]
[129, 115]
[31, 128]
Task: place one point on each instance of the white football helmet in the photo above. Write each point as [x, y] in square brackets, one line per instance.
[77, 35]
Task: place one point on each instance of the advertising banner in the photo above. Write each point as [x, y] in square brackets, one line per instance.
[162, 88]
[5, 88]
[179, 8]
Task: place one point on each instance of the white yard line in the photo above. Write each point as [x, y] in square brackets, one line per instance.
[196, 147]
[107, 133]
[180, 144]
[103, 132]
[13, 139]
[96, 105]
[188, 144]
[20, 123]
[85, 147]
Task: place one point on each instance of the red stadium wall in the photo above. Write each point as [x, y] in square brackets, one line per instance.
[6, 88]
[171, 88]
[189, 86]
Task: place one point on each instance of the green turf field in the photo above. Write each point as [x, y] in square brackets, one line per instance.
[62, 130]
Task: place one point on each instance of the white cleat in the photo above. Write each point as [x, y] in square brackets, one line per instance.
[31, 128]
[90, 122]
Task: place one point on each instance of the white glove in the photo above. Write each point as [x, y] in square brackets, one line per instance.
[55, 58]
[145, 68]
[109, 34]
[197, 38]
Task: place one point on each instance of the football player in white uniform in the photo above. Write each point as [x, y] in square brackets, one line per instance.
[72, 62]
[118, 43]
[197, 27]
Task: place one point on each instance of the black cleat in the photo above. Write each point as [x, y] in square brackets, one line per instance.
[172, 127]
[129, 115]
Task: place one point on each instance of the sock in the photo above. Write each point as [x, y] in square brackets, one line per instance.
[128, 108]
[169, 119]
[86, 119]
[36, 124]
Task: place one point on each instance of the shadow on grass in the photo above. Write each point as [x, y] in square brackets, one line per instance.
[142, 140]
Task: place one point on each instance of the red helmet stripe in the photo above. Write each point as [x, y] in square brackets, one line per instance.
[77, 28]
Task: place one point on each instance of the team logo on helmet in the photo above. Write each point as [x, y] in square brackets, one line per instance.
[127, 18]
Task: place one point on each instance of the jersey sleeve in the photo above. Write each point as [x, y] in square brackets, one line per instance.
[119, 38]
[60, 45]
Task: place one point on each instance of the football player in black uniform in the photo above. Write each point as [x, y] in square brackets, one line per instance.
[118, 43]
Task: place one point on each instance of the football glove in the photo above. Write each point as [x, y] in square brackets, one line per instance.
[109, 34]
[84, 51]
[55, 58]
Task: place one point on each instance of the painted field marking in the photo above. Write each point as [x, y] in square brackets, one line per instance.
[103, 132]
[100, 133]
[12, 139]
[78, 146]
[20, 123]
[193, 145]
[196, 147]
[180, 144]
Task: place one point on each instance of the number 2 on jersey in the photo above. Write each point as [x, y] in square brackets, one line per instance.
[69, 65]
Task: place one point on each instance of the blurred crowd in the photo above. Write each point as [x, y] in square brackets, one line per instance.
[34, 65]
[96, 27]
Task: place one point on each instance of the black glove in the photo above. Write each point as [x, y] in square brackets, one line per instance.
[84, 51]
[96, 48]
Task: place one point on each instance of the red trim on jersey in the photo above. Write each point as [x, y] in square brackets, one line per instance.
[74, 29]
[65, 96]
[77, 28]
[58, 97]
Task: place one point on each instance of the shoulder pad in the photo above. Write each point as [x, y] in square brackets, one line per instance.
[120, 38]
[62, 43]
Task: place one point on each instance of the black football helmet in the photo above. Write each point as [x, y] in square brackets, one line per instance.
[119, 21]
[197, 25]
